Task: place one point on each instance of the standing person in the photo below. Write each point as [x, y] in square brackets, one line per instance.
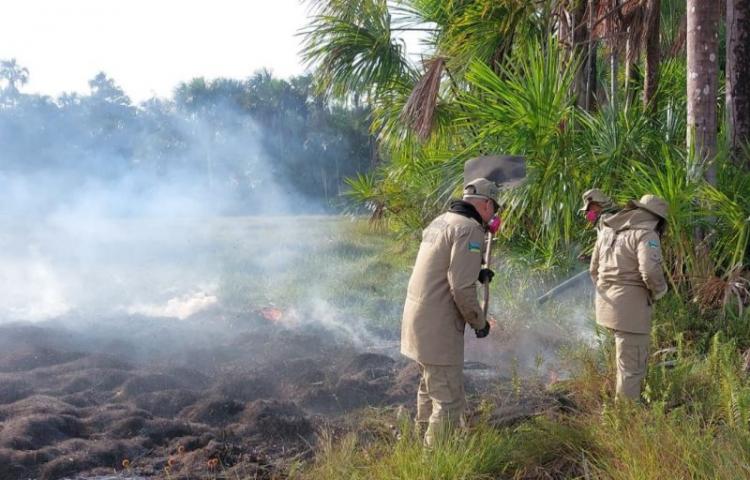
[627, 273]
[440, 301]
[597, 206]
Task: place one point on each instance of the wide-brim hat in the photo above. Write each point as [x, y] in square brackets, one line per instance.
[594, 196]
[653, 204]
[482, 188]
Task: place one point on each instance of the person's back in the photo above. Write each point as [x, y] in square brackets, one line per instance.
[626, 269]
[441, 300]
[437, 292]
[628, 277]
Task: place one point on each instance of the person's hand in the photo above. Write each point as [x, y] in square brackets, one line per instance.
[483, 332]
[485, 275]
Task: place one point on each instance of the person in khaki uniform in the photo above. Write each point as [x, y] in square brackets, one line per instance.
[627, 273]
[597, 206]
[440, 301]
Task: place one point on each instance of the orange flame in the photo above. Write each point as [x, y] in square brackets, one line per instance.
[272, 314]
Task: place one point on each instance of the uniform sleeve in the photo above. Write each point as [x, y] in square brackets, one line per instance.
[594, 265]
[649, 264]
[463, 272]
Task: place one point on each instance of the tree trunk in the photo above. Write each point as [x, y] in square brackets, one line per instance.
[702, 82]
[613, 79]
[653, 51]
[585, 49]
[738, 79]
[629, 72]
[591, 59]
[615, 4]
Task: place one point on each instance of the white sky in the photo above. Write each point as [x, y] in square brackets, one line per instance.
[148, 46]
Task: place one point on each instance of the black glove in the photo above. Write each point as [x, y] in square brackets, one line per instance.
[483, 332]
[485, 275]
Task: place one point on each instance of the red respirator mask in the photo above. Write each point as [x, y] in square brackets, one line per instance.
[592, 216]
[494, 224]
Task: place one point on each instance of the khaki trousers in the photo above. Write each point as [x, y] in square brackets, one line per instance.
[440, 400]
[631, 351]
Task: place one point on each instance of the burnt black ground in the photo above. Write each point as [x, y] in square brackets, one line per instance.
[218, 393]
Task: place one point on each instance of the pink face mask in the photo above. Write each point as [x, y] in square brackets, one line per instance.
[494, 224]
[592, 216]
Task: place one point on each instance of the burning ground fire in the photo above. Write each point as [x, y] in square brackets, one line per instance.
[272, 314]
[236, 389]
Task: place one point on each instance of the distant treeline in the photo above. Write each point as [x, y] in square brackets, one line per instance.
[232, 138]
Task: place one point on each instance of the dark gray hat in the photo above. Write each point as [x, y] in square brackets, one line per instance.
[482, 188]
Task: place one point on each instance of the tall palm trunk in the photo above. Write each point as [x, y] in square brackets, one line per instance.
[585, 47]
[653, 51]
[738, 77]
[590, 58]
[615, 4]
[702, 80]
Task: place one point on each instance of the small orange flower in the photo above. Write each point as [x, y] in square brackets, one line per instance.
[126, 463]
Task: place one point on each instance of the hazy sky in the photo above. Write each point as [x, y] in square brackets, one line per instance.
[148, 46]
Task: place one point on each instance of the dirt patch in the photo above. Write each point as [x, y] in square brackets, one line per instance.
[276, 420]
[369, 366]
[217, 411]
[12, 390]
[247, 388]
[36, 404]
[31, 358]
[36, 431]
[151, 383]
[166, 403]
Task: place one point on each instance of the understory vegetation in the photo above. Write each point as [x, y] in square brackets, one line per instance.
[694, 421]
[593, 96]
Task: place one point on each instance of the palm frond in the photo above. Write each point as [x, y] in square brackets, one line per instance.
[419, 110]
[352, 49]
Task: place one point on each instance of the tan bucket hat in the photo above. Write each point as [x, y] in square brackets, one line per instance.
[653, 204]
[482, 188]
[594, 196]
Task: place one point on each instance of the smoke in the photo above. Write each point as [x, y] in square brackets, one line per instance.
[112, 210]
[530, 339]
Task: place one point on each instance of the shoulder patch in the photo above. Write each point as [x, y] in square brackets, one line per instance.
[653, 244]
[475, 247]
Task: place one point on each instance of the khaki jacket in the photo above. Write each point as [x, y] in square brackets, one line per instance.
[442, 294]
[626, 270]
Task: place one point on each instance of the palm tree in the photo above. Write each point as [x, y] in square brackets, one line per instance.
[14, 75]
[353, 46]
[652, 48]
[702, 81]
[738, 77]
[350, 44]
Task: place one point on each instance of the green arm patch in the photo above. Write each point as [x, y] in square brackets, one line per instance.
[475, 247]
